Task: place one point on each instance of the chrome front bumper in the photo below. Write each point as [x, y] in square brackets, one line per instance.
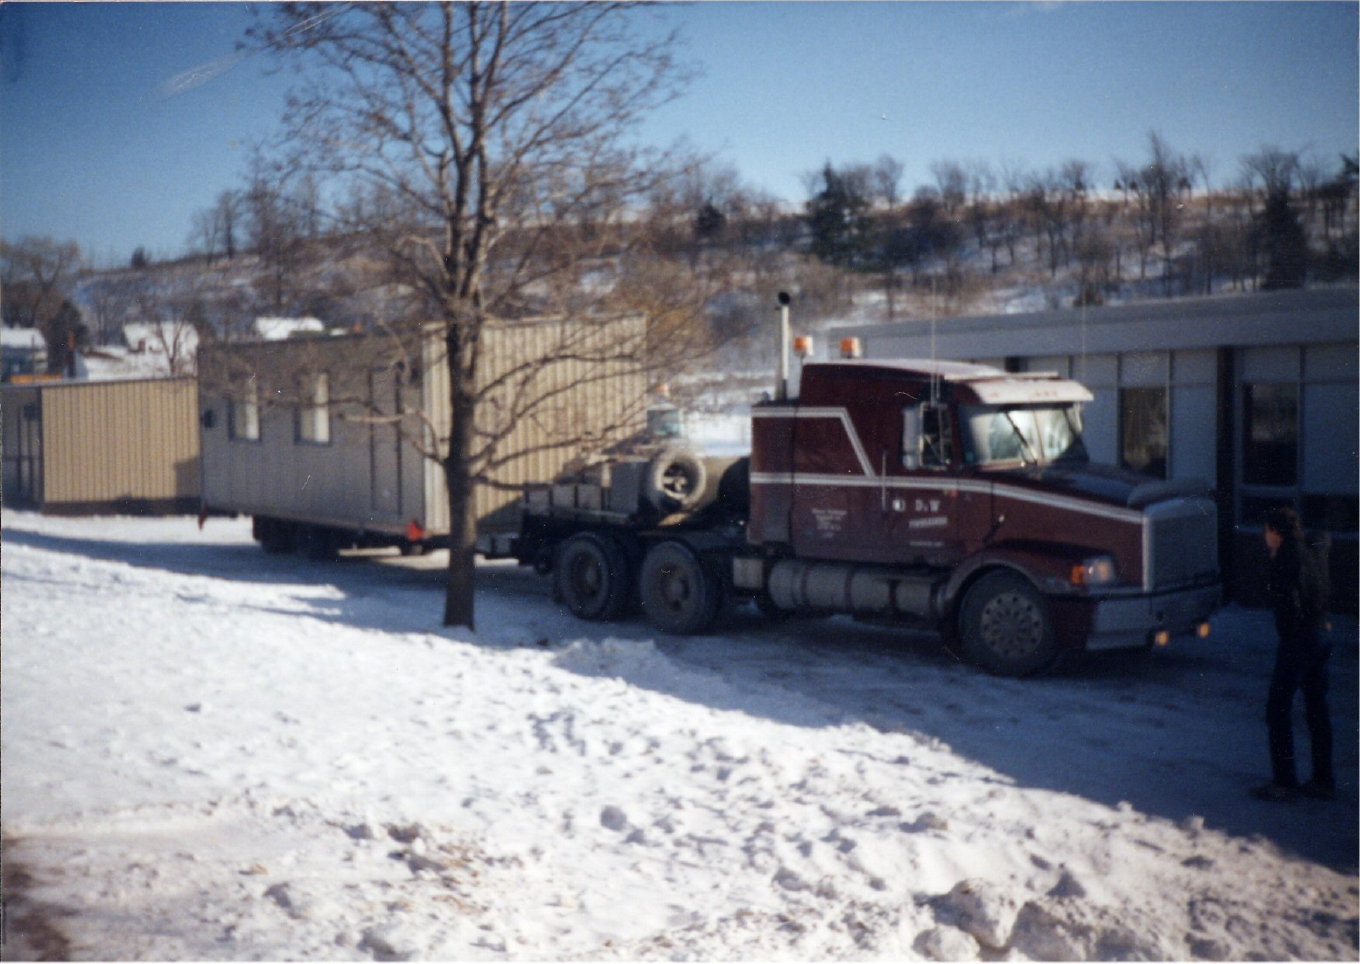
[1137, 621]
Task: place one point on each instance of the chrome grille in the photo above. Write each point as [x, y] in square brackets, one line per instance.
[1182, 545]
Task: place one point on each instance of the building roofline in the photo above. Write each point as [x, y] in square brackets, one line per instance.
[1309, 316]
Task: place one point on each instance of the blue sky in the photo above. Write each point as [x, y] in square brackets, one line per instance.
[99, 145]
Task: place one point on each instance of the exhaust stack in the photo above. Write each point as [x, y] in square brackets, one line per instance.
[782, 374]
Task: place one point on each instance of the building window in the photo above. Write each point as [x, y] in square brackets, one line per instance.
[314, 418]
[1270, 433]
[1143, 437]
[243, 417]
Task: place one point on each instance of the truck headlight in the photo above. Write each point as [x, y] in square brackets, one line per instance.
[1095, 571]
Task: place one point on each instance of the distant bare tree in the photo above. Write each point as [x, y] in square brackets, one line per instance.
[1139, 213]
[36, 274]
[276, 229]
[1271, 171]
[216, 229]
[887, 179]
[1046, 203]
[951, 180]
[44, 269]
[1164, 177]
[496, 133]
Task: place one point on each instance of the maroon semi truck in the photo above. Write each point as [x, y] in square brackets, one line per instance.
[927, 493]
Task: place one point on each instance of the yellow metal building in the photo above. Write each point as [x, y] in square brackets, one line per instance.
[90, 447]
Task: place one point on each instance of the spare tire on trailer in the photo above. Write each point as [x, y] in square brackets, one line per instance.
[675, 480]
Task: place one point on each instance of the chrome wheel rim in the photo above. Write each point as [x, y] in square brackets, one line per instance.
[1011, 624]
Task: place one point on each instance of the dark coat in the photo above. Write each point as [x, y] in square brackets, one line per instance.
[1297, 588]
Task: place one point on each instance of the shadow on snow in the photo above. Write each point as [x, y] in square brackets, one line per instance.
[1175, 733]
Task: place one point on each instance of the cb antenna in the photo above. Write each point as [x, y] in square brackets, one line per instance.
[934, 363]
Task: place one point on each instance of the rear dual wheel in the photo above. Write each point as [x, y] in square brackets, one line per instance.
[592, 576]
[680, 593]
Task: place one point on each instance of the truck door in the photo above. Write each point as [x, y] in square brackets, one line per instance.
[922, 505]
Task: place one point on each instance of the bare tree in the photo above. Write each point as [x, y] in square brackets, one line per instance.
[277, 231]
[887, 176]
[216, 229]
[35, 274]
[951, 180]
[1164, 177]
[497, 135]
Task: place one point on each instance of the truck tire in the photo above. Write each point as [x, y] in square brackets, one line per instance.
[1004, 626]
[592, 577]
[275, 536]
[679, 593]
[675, 480]
[318, 543]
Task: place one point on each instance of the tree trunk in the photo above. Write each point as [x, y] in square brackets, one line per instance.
[458, 590]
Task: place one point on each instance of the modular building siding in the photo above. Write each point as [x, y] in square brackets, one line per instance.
[357, 477]
[129, 446]
[366, 477]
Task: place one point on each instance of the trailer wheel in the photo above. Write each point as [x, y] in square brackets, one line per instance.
[592, 577]
[675, 480]
[318, 543]
[679, 593]
[1005, 628]
[274, 535]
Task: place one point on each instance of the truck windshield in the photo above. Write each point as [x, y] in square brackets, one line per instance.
[1036, 434]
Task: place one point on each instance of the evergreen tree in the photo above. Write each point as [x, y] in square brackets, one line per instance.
[1282, 241]
[838, 216]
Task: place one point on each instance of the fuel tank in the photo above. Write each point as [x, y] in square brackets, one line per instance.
[796, 584]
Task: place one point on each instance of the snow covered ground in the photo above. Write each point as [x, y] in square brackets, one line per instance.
[210, 753]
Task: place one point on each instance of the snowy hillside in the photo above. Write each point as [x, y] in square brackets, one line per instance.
[215, 754]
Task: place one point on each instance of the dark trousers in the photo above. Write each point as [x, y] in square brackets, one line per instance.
[1300, 665]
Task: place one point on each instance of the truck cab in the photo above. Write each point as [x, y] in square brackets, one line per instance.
[962, 496]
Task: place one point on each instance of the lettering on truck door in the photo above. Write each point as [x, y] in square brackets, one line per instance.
[835, 487]
[922, 494]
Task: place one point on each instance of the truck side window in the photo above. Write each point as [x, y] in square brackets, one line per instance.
[934, 436]
[925, 437]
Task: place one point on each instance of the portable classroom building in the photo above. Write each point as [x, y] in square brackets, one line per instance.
[117, 446]
[337, 431]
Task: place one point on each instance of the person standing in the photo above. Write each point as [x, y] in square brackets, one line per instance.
[1296, 585]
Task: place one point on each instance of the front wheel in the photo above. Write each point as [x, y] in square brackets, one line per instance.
[679, 593]
[1005, 628]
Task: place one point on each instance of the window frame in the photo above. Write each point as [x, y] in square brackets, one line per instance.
[243, 414]
[313, 418]
[1125, 430]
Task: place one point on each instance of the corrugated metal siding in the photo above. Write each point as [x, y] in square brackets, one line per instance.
[553, 360]
[107, 442]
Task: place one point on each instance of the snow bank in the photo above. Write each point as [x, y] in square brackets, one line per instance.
[215, 754]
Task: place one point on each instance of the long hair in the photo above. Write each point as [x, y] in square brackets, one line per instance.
[1285, 521]
[1314, 584]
